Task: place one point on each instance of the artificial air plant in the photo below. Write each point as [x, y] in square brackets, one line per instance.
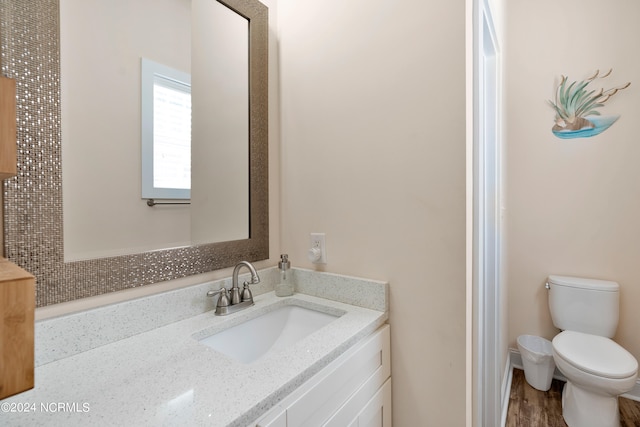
[576, 106]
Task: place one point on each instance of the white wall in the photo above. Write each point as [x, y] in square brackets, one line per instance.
[220, 124]
[573, 205]
[100, 102]
[373, 140]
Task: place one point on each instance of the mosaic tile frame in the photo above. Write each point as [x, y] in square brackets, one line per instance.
[33, 238]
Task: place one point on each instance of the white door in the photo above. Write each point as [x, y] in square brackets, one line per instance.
[486, 221]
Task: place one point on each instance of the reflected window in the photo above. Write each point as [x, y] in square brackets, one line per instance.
[166, 132]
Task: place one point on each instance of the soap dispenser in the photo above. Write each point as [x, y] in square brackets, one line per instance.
[285, 287]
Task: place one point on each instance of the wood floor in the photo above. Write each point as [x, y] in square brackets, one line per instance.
[529, 407]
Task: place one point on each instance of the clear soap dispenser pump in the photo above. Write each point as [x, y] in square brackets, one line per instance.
[285, 287]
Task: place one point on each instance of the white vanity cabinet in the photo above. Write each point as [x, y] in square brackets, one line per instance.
[353, 390]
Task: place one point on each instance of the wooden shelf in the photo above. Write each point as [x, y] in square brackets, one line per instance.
[8, 141]
[17, 310]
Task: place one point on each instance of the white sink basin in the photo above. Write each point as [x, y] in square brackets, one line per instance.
[269, 333]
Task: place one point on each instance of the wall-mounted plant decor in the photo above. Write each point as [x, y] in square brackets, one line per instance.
[576, 107]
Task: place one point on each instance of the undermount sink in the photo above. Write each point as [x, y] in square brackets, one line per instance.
[268, 333]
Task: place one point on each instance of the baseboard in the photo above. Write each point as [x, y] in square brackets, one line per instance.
[506, 391]
[516, 362]
[634, 394]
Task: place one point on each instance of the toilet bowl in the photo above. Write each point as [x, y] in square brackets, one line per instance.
[598, 370]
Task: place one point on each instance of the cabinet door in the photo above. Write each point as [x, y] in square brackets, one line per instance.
[337, 395]
[377, 413]
[353, 407]
[17, 305]
[8, 145]
[341, 380]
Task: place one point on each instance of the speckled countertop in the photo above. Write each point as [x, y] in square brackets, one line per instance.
[164, 376]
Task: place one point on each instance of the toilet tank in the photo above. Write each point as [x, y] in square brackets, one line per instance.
[584, 305]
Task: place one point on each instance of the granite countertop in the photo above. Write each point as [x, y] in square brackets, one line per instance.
[164, 376]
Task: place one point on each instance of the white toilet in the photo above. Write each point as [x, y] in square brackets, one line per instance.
[597, 369]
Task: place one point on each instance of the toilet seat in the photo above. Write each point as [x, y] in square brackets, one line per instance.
[594, 354]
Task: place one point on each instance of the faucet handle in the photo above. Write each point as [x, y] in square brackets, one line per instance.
[214, 293]
[246, 293]
[223, 300]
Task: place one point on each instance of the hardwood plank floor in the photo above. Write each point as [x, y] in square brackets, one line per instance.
[529, 407]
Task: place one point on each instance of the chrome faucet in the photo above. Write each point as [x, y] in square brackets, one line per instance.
[237, 301]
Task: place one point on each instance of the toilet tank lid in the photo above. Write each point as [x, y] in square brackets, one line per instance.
[580, 282]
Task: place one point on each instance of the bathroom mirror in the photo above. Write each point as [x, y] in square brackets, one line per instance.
[33, 203]
[196, 45]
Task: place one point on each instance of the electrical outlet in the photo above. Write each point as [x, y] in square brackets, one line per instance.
[318, 252]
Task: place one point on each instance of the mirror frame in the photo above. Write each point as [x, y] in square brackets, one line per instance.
[33, 235]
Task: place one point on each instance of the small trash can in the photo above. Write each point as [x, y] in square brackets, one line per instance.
[537, 358]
